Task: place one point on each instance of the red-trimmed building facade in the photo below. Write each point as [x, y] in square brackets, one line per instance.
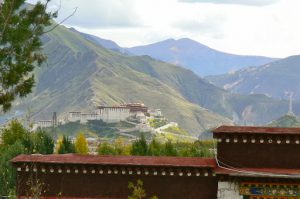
[251, 163]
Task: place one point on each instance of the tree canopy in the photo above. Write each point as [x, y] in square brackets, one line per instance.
[22, 26]
[65, 146]
[18, 140]
[81, 144]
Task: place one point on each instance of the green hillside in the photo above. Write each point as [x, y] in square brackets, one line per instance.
[286, 121]
[99, 129]
[81, 75]
[275, 79]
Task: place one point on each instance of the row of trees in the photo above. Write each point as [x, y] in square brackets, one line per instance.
[65, 145]
[156, 148]
[16, 139]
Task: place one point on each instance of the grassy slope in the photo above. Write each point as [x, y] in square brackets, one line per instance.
[80, 75]
[274, 79]
[250, 109]
[286, 121]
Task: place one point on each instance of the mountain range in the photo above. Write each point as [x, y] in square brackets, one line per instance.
[81, 74]
[187, 53]
[278, 79]
[197, 57]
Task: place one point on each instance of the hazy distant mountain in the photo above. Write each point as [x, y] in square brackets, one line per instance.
[197, 57]
[275, 79]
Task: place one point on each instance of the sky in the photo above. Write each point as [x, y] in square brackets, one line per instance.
[248, 27]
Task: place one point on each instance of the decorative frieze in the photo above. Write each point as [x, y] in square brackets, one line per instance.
[115, 170]
[261, 139]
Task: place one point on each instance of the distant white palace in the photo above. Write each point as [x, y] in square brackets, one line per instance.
[113, 114]
[109, 114]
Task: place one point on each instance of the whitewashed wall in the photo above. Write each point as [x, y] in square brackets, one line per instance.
[228, 190]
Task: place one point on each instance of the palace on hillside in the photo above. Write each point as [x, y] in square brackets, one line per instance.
[250, 163]
[108, 114]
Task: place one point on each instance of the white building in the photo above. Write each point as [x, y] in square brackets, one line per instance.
[113, 114]
[45, 123]
[74, 116]
[106, 114]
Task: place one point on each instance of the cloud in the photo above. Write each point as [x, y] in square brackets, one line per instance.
[97, 13]
[239, 2]
[210, 26]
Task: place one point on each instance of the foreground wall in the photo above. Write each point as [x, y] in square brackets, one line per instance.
[265, 155]
[115, 185]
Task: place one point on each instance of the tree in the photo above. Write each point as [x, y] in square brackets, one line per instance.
[155, 148]
[106, 149]
[66, 146]
[170, 150]
[20, 47]
[139, 147]
[14, 132]
[42, 142]
[18, 140]
[120, 147]
[81, 144]
[7, 172]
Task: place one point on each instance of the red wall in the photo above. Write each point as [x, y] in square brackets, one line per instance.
[256, 155]
[116, 186]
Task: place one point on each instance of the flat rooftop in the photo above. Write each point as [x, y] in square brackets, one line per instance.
[256, 130]
[116, 160]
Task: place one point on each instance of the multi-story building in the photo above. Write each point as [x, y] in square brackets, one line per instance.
[45, 123]
[109, 114]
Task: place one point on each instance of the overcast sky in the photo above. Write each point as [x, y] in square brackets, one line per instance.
[254, 27]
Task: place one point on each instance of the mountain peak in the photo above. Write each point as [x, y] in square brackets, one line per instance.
[197, 57]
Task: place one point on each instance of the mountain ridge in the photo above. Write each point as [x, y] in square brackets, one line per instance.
[81, 75]
[201, 59]
[277, 79]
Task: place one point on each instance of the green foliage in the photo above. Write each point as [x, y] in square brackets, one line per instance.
[7, 172]
[66, 146]
[155, 148]
[35, 142]
[42, 142]
[18, 140]
[169, 149]
[14, 132]
[140, 147]
[20, 52]
[119, 147]
[81, 144]
[106, 149]
[157, 122]
[176, 130]
[197, 149]
[138, 191]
